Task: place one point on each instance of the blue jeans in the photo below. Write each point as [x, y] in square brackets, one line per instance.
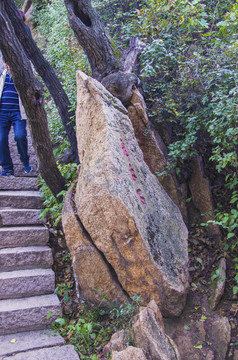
[6, 120]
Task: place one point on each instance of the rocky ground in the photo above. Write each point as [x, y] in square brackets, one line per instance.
[200, 333]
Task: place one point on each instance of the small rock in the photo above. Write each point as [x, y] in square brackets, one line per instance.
[117, 342]
[150, 336]
[219, 334]
[131, 353]
[218, 285]
[210, 355]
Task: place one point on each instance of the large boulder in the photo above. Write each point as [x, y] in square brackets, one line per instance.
[122, 209]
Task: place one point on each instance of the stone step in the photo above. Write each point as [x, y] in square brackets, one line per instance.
[25, 314]
[19, 236]
[66, 352]
[20, 199]
[10, 217]
[30, 340]
[23, 283]
[18, 170]
[18, 183]
[29, 257]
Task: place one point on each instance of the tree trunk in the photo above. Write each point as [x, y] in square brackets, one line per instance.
[91, 35]
[115, 74]
[26, 5]
[46, 72]
[31, 93]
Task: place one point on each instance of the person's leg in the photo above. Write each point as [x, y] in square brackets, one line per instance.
[5, 157]
[20, 137]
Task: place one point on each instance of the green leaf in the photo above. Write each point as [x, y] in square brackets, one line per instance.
[198, 346]
[186, 327]
[48, 315]
[60, 321]
[235, 290]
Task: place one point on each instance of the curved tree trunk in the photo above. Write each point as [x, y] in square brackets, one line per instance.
[91, 35]
[46, 72]
[31, 93]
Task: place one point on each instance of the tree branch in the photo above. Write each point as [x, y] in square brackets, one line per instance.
[91, 35]
[31, 93]
[45, 70]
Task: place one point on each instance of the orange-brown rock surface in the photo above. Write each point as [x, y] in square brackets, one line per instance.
[154, 151]
[202, 196]
[122, 209]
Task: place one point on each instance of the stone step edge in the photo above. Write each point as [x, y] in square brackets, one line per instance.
[23, 236]
[29, 340]
[26, 257]
[26, 193]
[28, 314]
[18, 284]
[12, 228]
[37, 248]
[25, 272]
[65, 352]
[31, 302]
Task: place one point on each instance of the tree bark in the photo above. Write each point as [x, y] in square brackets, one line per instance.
[115, 74]
[91, 35]
[26, 5]
[31, 93]
[46, 72]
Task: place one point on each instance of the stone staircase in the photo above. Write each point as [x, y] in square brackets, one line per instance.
[27, 282]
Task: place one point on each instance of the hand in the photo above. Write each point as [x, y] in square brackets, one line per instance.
[7, 68]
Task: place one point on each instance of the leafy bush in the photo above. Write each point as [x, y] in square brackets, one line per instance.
[94, 327]
[190, 83]
[58, 43]
[51, 206]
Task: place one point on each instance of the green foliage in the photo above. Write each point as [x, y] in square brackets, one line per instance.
[18, 3]
[57, 41]
[63, 291]
[217, 275]
[190, 80]
[93, 329]
[69, 172]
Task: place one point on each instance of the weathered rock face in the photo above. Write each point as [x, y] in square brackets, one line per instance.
[148, 336]
[154, 151]
[200, 337]
[202, 197]
[218, 285]
[92, 272]
[131, 353]
[123, 210]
